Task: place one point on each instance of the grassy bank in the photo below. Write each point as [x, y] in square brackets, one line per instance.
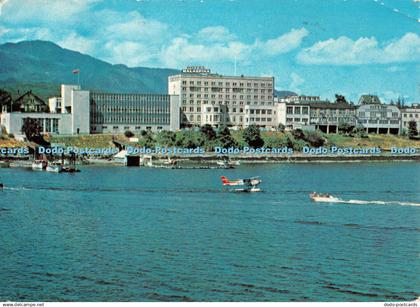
[383, 141]
[271, 139]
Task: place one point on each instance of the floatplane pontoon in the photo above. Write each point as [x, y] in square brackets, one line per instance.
[249, 184]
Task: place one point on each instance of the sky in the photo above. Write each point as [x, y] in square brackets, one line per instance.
[323, 47]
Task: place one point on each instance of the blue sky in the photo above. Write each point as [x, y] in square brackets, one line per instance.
[312, 47]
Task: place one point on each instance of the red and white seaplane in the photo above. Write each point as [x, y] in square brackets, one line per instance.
[250, 184]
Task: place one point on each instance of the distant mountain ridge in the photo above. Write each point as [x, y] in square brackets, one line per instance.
[43, 66]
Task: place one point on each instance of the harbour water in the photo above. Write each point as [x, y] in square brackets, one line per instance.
[139, 234]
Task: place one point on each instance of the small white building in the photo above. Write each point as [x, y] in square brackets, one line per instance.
[294, 115]
[69, 114]
[410, 113]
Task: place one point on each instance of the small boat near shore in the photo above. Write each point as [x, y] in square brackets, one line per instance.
[39, 165]
[54, 167]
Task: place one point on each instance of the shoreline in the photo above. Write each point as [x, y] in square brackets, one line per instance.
[243, 159]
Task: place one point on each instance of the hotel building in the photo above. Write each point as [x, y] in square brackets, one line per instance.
[376, 117]
[236, 101]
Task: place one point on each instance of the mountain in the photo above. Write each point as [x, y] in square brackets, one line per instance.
[42, 66]
[283, 94]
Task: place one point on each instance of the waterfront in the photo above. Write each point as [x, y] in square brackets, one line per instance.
[140, 234]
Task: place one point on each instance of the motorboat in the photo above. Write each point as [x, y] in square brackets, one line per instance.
[323, 197]
[54, 167]
[224, 164]
[39, 165]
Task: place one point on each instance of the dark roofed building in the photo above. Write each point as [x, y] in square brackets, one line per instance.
[327, 116]
[30, 103]
[369, 99]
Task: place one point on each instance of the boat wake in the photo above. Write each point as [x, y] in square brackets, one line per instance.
[370, 202]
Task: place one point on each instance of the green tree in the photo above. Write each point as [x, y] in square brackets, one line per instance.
[252, 136]
[314, 138]
[345, 128]
[208, 132]
[128, 134]
[5, 100]
[224, 137]
[412, 129]
[340, 99]
[186, 139]
[281, 127]
[32, 130]
[166, 138]
[298, 134]
[360, 132]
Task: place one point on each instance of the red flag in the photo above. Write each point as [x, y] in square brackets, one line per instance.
[76, 71]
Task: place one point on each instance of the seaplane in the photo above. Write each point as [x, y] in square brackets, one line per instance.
[249, 184]
[323, 197]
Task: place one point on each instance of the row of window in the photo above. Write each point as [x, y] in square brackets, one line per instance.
[411, 115]
[304, 120]
[225, 90]
[111, 118]
[139, 98]
[46, 124]
[220, 102]
[128, 128]
[381, 121]
[383, 114]
[228, 84]
[297, 110]
[221, 96]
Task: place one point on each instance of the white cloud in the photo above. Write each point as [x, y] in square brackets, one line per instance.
[284, 43]
[182, 51]
[132, 39]
[3, 31]
[2, 2]
[345, 51]
[78, 43]
[44, 11]
[388, 96]
[222, 47]
[136, 28]
[215, 34]
[296, 82]
[129, 52]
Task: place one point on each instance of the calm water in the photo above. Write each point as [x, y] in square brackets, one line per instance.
[135, 234]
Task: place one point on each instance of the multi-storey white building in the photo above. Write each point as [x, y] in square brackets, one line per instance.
[294, 115]
[310, 112]
[236, 101]
[410, 113]
[82, 112]
[376, 117]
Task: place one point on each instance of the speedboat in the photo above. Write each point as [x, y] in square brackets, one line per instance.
[39, 165]
[54, 167]
[323, 197]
